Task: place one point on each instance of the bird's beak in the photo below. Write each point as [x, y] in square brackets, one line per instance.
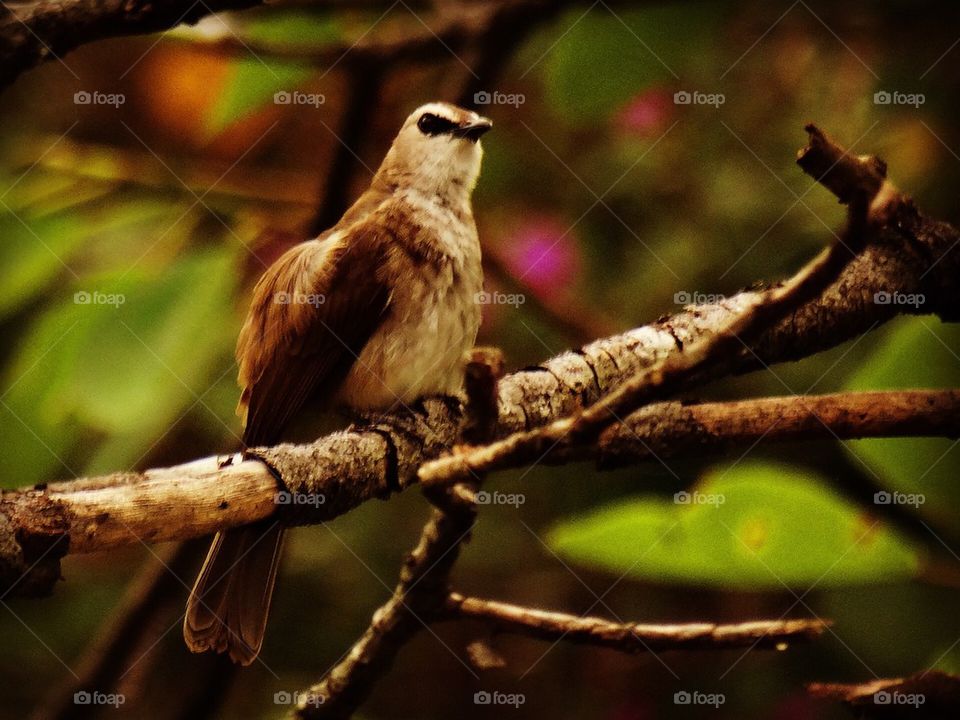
[473, 131]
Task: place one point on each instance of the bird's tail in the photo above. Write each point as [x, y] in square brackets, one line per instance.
[228, 607]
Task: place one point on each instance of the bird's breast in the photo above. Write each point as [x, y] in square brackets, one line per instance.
[432, 319]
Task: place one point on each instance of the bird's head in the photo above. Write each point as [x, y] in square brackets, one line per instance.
[437, 150]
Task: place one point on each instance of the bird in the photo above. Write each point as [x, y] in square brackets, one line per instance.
[375, 313]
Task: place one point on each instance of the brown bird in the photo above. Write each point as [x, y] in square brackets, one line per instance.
[374, 313]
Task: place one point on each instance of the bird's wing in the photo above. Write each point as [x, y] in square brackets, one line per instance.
[312, 312]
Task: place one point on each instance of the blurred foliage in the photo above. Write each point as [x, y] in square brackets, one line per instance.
[918, 353]
[598, 194]
[751, 525]
[643, 44]
[250, 84]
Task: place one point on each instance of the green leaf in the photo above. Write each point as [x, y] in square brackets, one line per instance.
[39, 247]
[915, 352]
[36, 447]
[118, 361]
[769, 526]
[163, 340]
[250, 85]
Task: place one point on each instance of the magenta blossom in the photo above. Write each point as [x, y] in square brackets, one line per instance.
[543, 254]
[645, 112]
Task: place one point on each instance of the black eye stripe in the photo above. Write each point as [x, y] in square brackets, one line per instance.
[430, 124]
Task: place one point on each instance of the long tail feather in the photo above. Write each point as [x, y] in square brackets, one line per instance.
[228, 607]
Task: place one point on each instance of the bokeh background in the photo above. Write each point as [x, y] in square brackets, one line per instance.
[134, 225]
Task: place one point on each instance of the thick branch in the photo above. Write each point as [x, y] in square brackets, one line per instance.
[630, 637]
[34, 32]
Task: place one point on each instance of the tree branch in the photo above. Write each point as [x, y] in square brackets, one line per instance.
[414, 603]
[629, 637]
[676, 428]
[929, 694]
[34, 32]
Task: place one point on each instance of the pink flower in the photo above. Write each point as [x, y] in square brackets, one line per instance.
[543, 254]
[645, 112]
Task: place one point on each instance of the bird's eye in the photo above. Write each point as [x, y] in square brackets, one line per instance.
[430, 124]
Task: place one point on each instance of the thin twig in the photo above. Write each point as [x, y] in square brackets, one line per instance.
[415, 601]
[630, 637]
